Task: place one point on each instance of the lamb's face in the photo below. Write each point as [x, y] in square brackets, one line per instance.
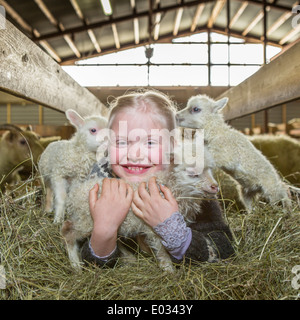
[91, 130]
[198, 110]
[193, 116]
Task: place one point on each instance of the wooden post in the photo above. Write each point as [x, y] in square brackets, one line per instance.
[283, 116]
[266, 121]
[41, 115]
[252, 121]
[8, 113]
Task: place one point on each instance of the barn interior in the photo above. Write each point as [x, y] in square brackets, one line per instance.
[80, 54]
[72, 32]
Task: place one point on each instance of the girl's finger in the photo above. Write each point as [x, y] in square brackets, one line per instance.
[114, 185]
[93, 195]
[136, 211]
[137, 200]
[122, 187]
[143, 193]
[129, 192]
[105, 186]
[153, 188]
[167, 193]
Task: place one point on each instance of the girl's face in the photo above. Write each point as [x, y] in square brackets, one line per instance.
[136, 152]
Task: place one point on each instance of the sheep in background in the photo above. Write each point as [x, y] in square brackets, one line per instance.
[283, 152]
[189, 191]
[65, 160]
[233, 152]
[17, 148]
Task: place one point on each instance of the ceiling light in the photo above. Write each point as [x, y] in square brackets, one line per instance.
[106, 7]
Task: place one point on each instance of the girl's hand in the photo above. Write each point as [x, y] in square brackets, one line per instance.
[151, 206]
[108, 212]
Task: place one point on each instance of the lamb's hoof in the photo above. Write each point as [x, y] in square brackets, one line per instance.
[58, 220]
[167, 267]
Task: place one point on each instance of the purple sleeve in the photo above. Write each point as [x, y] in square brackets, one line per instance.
[176, 236]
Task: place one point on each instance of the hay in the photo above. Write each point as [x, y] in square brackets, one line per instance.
[36, 265]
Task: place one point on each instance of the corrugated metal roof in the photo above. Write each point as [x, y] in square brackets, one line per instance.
[75, 29]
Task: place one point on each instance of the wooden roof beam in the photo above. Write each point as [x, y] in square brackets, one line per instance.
[116, 35]
[135, 23]
[258, 18]
[237, 15]
[290, 35]
[177, 21]
[11, 11]
[215, 12]
[58, 25]
[254, 22]
[101, 24]
[157, 20]
[197, 15]
[90, 32]
[280, 21]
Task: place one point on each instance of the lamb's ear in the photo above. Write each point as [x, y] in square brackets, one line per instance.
[220, 104]
[75, 119]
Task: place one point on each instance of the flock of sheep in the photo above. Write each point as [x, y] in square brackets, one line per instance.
[65, 167]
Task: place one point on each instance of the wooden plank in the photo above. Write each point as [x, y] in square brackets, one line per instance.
[273, 84]
[28, 72]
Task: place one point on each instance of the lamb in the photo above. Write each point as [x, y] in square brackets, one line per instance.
[65, 160]
[187, 189]
[233, 153]
[17, 148]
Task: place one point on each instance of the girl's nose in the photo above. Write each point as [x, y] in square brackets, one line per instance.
[135, 153]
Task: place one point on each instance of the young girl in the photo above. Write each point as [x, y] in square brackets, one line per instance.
[136, 154]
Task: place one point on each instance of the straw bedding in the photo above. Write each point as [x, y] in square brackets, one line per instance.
[37, 267]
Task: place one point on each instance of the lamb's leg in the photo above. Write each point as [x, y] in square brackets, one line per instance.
[49, 200]
[59, 186]
[162, 256]
[279, 195]
[69, 235]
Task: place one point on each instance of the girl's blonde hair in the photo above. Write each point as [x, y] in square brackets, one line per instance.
[154, 103]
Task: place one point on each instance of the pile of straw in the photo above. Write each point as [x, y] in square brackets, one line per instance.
[37, 267]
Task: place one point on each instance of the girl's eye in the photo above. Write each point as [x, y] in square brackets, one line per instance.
[121, 143]
[93, 131]
[152, 143]
[195, 109]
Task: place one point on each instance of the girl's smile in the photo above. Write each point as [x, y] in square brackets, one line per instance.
[136, 151]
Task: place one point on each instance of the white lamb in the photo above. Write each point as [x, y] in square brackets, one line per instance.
[233, 153]
[65, 160]
[189, 191]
